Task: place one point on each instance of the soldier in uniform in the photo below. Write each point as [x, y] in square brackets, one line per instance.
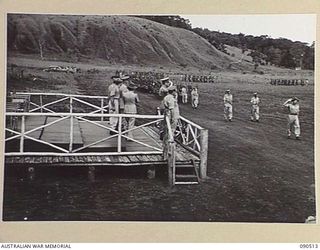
[114, 96]
[164, 87]
[171, 110]
[184, 94]
[123, 88]
[194, 98]
[227, 100]
[255, 112]
[293, 121]
[130, 99]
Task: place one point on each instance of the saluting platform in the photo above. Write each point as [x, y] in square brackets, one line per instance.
[38, 135]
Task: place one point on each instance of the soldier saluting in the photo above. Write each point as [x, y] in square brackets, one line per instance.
[293, 120]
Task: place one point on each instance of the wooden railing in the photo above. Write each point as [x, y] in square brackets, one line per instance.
[92, 109]
[22, 134]
[171, 157]
[55, 102]
[194, 138]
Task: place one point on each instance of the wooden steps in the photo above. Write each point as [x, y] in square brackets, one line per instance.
[186, 173]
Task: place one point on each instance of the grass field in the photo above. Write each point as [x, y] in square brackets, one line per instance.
[255, 173]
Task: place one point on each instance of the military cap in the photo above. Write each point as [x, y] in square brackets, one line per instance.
[125, 77]
[164, 79]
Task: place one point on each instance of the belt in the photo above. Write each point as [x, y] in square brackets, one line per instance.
[293, 114]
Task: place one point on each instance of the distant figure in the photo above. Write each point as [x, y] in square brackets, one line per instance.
[172, 112]
[184, 94]
[130, 99]
[194, 98]
[227, 100]
[114, 96]
[255, 112]
[293, 121]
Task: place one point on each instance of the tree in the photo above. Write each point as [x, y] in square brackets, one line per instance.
[287, 60]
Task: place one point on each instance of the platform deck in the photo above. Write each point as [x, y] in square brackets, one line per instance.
[86, 133]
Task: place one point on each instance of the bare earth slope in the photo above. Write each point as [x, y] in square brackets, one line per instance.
[117, 39]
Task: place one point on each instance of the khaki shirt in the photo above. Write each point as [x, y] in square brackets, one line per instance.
[184, 91]
[227, 98]
[130, 99]
[123, 88]
[194, 94]
[293, 108]
[163, 91]
[255, 101]
[114, 91]
[171, 104]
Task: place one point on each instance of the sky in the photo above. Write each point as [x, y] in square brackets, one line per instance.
[296, 27]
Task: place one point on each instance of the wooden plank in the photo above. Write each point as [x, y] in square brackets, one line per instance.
[59, 132]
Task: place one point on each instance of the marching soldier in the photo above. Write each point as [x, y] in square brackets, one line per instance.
[114, 96]
[293, 121]
[184, 94]
[194, 98]
[227, 100]
[255, 114]
[172, 112]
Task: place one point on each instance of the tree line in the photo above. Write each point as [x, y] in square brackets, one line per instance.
[263, 49]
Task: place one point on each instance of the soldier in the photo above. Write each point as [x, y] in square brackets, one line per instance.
[164, 88]
[194, 98]
[293, 121]
[114, 96]
[227, 100]
[130, 99]
[172, 112]
[123, 88]
[255, 114]
[184, 94]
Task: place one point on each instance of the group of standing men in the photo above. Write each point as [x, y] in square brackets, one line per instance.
[122, 100]
[292, 104]
[184, 93]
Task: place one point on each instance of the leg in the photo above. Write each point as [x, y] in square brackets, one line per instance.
[296, 126]
[257, 113]
[289, 126]
[230, 113]
[114, 120]
[130, 126]
[226, 110]
[252, 114]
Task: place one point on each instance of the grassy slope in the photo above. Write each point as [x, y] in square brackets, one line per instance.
[113, 39]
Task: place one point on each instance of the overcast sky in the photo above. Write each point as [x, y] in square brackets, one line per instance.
[296, 27]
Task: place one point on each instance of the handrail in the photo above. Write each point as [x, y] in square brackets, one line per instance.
[84, 114]
[120, 133]
[62, 94]
[190, 122]
[171, 153]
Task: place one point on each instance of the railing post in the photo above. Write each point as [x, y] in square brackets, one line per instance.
[119, 133]
[102, 105]
[41, 103]
[204, 135]
[171, 163]
[22, 133]
[71, 125]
